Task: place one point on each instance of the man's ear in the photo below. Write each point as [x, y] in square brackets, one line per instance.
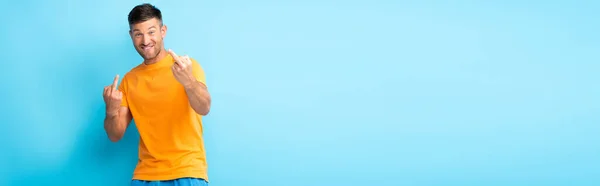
[163, 30]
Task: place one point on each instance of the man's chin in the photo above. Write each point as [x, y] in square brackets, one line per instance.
[148, 56]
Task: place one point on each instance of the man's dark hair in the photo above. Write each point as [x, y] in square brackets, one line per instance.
[144, 12]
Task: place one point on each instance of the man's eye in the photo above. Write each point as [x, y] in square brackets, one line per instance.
[151, 32]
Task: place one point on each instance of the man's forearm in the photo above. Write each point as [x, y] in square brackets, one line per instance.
[199, 97]
[113, 127]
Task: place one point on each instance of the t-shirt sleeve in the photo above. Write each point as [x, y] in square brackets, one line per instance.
[123, 88]
[198, 72]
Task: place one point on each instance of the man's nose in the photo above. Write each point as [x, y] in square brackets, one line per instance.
[146, 40]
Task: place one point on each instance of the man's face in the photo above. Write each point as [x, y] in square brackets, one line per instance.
[148, 37]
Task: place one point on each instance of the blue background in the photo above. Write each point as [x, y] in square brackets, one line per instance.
[319, 92]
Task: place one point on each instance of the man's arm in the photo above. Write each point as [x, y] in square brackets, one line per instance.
[199, 97]
[189, 75]
[115, 124]
[118, 115]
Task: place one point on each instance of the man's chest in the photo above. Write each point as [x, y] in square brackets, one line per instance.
[157, 91]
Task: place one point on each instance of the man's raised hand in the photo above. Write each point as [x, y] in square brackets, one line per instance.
[112, 98]
[182, 69]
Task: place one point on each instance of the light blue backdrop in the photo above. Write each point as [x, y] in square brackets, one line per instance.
[319, 92]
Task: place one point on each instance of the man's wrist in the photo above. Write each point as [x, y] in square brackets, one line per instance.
[110, 113]
[190, 84]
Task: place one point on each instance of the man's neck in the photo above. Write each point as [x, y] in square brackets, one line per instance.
[161, 54]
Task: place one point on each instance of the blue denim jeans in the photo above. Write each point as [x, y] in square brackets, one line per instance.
[176, 182]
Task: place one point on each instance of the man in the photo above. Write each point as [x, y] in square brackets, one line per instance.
[166, 96]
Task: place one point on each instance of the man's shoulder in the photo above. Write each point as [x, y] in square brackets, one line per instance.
[196, 62]
[133, 71]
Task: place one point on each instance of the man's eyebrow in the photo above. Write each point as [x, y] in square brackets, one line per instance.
[151, 27]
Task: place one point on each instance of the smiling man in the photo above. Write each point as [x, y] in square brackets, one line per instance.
[166, 97]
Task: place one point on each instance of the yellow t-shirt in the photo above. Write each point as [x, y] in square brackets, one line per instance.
[171, 144]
